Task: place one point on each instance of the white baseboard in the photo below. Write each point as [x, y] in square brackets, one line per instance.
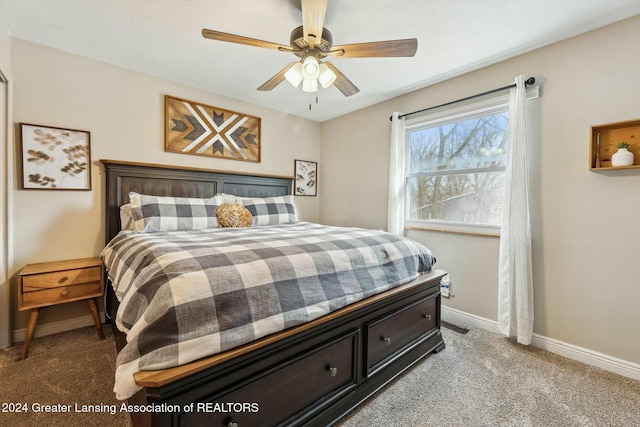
[593, 358]
[57, 327]
[457, 316]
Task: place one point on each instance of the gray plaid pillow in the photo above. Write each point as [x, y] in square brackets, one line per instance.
[270, 210]
[155, 213]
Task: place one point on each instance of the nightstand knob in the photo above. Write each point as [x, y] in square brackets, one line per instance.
[386, 340]
[232, 424]
[65, 292]
[333, 371]
[63, 279]
[427, 316]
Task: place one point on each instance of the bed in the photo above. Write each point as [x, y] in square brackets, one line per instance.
[307, 371]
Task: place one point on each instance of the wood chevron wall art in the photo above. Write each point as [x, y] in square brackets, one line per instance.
[203, 130]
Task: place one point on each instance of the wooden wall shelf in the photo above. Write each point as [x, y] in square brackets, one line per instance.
[609, 135]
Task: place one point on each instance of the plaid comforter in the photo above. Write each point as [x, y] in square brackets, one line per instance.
[187, 295]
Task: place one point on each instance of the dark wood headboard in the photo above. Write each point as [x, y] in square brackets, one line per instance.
[164, 180]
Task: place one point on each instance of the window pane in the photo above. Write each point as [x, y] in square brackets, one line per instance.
[467, 144]
[474, 198]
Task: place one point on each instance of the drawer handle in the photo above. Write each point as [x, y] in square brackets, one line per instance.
[65, 293]
[427, 316]
[333, 371]
[386, 340]
[63, 279]
[232, 424]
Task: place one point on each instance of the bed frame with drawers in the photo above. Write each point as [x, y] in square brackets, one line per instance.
[311, 374]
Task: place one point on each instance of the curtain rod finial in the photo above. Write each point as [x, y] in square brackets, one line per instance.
[530, 81]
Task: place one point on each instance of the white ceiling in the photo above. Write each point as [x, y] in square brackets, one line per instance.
[163, 38]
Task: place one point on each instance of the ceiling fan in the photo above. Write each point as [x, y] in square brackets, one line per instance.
[311, 42]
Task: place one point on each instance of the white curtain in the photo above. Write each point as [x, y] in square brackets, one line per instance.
[395, 222]
[515, 282]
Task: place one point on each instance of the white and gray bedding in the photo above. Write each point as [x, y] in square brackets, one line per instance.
[185, 295]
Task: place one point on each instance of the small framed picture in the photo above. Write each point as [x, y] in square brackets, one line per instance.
[306, 174]
[55, 158]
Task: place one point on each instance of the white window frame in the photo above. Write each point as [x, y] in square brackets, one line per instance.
[494, 105]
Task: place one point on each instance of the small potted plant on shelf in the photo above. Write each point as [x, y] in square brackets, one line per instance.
[622, 157]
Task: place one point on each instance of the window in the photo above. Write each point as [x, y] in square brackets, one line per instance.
[455, 168]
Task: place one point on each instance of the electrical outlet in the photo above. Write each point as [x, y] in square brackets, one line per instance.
[444, 291]
[445, 286]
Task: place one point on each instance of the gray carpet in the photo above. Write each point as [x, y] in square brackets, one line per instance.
[480, 379]
[70, 368]
[483, 379]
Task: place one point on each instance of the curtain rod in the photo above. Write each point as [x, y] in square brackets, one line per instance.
[528, 82]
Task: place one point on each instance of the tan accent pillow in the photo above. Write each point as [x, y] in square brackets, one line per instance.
[233, 215]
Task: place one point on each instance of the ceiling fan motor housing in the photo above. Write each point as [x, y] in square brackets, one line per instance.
[311, 70]
[301, 45]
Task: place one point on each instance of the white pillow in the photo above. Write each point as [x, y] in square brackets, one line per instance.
[126, 217]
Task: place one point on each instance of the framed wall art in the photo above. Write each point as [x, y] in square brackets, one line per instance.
[55, 158]
[204, 130]
[306, 174]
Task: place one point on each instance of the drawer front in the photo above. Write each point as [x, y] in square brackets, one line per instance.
[387, 336]
[63, 294]
[56, 279]
[316, 375]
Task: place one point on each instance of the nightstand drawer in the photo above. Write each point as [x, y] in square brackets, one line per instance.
[50, 283]
[56, 279]
[61, 294]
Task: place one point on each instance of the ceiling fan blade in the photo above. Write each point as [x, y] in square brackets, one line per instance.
[232, 38]
[388, 48]
[277, 79]
[343, 84]
[313, 13]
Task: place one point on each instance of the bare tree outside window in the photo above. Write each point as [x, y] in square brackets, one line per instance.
[456, 170]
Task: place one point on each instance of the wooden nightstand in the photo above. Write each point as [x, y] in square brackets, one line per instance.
[50, 283]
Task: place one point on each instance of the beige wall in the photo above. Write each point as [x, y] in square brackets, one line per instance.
[124, 111]
[584, 224]
[586, 238]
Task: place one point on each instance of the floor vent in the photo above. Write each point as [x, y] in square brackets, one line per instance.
[453, 327]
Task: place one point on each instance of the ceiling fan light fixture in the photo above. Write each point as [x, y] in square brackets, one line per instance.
[326, 76]
[310, 85]
[294, 75]
[310, 67]
[312, 43]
